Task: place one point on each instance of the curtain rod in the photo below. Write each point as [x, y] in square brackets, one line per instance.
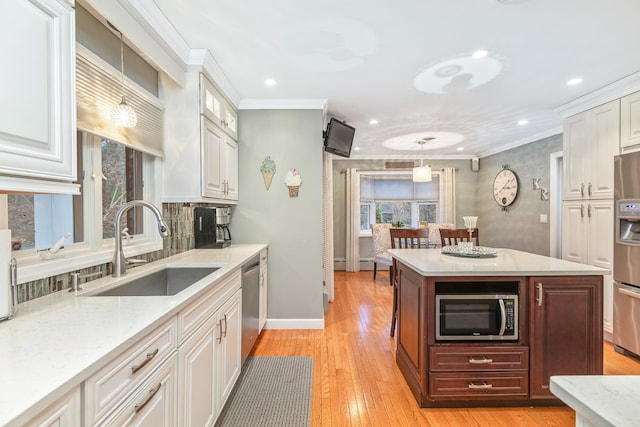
[382, 171]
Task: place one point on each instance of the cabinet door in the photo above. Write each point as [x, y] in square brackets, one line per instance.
[264, 276]
[213, 151]
[604, 140]
[229, 356]
[64, 413]
[574, 234]
[600, 230]
[212, 104]
[37, 120]
[231, 121]
[630, 122]
[197, 390]
[229, 168]
[575, 156]
[566, 329]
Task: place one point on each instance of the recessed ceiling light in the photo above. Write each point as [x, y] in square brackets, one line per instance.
[479, 54]
[270, 82]
[523, 122]
[373, 122]
[574, 81]
[356, 148]
[460, 148]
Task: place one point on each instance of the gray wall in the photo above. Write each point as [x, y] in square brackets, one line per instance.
[519, 227]
[465, 198]
[292, 227]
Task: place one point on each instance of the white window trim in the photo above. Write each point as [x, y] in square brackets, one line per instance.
[82, 255]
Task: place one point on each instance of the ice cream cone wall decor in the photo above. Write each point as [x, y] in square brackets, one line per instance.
[293, 181]
[268, 169]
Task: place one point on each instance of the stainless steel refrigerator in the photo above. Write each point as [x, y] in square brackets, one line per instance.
[626, 255]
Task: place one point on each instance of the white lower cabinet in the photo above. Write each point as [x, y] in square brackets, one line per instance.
[264, 275]
[229, 354]
[64, 413]
[587, 238]
[209, 360]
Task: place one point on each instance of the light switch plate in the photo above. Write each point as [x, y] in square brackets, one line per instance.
[543, 218]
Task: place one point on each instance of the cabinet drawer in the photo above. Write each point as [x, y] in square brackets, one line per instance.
[199, 311]
[514, 385]
[151, 404]
[472, 358]
[111, 384]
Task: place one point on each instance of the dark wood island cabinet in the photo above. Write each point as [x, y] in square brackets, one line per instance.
[559, 328]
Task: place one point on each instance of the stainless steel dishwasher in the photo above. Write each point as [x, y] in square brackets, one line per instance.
[250, 304]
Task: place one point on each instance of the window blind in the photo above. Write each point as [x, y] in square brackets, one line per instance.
[98, 88]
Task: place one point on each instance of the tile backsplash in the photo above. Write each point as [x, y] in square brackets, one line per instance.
[179, 218]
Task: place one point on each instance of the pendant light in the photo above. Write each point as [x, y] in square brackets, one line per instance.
[123, 115]
[422, 173]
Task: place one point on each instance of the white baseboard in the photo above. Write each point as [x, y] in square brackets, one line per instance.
[294, 324]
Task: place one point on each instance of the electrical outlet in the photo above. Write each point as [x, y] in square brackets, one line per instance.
[543, 218]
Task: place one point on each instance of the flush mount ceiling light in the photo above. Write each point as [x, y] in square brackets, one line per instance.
[479, 54]
[270, 82]
[123, 115]
[422, 173]
[522, 122]
[574, 81]
[373, 122]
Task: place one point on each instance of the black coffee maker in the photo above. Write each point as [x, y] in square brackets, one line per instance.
[211, 227]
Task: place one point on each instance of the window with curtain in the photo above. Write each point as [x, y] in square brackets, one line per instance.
[394, 197]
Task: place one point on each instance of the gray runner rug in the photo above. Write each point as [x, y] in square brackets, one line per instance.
[271, 391]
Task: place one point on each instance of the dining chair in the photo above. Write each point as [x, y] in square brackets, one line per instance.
[404, 238]
[381, 242]
[453, 237]
[434, 232]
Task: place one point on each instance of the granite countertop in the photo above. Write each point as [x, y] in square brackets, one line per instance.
[602, 400]
[507, 262]
[57, 341]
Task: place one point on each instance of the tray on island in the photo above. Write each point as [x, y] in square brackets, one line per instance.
[470, 252]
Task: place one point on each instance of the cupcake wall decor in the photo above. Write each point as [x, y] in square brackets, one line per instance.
[293, 181]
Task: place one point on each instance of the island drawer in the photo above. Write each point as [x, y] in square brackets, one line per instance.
[478, 358]
[498, 385]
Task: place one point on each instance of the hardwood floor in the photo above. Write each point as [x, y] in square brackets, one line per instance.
[356, 381]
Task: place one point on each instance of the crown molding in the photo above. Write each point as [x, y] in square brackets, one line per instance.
[283, 104]
[518, 143]
[426, 156]
[615, 90]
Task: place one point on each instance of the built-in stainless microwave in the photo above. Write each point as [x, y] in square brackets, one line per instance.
[476, 317]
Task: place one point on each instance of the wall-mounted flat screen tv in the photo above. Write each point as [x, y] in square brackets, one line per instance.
[338, 138]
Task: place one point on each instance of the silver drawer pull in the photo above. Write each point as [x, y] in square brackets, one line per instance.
[483, 386]
[150, 356]
[482, 361]
[152, 392]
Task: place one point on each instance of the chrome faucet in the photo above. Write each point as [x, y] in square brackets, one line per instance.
[119, 261]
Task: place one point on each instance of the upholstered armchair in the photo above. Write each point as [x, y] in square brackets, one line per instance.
[381, 242]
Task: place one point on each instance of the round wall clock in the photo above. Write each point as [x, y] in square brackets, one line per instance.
[505, 188]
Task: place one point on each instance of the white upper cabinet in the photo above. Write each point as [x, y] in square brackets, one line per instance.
[201, 161]
[591, 140]
[630, 122]
[37, 116]
[216, 108]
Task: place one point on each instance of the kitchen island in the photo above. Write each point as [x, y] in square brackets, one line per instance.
[559, 327]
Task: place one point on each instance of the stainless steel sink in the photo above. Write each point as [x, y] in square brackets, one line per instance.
[169, 281]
